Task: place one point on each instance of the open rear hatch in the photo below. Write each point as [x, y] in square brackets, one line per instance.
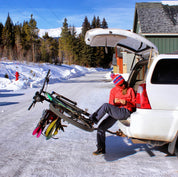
[124, 39]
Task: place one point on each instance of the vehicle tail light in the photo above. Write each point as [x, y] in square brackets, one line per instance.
[142, 101]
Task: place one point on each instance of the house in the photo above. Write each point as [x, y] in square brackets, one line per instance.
[158, 22]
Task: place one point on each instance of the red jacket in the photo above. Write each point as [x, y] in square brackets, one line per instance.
[116, 92]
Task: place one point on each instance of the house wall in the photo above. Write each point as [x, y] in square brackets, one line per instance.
[127, 62]
[165, 44]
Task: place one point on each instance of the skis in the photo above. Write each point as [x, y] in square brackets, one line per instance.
[50, 124]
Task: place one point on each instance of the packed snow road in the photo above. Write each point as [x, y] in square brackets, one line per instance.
[24, 155]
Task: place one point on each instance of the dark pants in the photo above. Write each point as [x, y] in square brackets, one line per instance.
[114, 114]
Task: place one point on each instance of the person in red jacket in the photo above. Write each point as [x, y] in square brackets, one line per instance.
[121, 105]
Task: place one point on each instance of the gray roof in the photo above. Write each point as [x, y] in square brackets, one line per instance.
[157, 18]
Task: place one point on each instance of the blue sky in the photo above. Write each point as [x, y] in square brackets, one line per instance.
[51, 13]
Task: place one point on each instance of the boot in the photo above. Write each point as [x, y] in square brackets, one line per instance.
[99, 151]
[93, 119]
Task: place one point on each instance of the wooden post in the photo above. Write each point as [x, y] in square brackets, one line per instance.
[120, 64]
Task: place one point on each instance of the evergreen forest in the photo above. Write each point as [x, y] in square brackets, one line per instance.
[21, 42]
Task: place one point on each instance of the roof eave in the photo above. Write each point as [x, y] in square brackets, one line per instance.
[159, 34]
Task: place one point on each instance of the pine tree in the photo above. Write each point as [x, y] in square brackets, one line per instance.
[66, 43]
[25, 37]
[49, 49]
[93, 23]
[85, 54]
[8, 37]
[65, 29]
[30, 39]
[77, 50]
[54, 51]
[44, 51]
[18, 42]
[63, 42]
[85, 26]
[61, 51]
[72, 45]
[104, 24]
[26, 45]
[98, 24]
[33, 32]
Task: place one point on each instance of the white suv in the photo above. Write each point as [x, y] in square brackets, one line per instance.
[155, 81]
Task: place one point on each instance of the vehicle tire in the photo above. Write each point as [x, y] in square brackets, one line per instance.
[76, 122]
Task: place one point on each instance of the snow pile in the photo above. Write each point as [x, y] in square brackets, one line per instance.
[32, 74]
[56, 32]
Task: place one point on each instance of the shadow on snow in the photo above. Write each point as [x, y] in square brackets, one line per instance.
[4, 94]
[7, 103]
[118, 147]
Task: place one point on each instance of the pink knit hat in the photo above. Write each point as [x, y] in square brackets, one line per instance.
[117, 79]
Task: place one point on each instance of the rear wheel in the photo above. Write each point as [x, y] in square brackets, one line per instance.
[80, 123]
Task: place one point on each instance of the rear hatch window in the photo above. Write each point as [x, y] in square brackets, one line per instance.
[165, 72]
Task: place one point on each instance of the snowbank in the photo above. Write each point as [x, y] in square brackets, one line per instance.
[32, 74]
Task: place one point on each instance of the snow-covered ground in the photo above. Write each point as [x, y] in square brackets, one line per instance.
[24, 155]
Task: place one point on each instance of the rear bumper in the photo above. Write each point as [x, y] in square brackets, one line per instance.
[159, 125]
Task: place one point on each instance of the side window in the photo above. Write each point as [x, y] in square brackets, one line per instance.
[165, 72]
